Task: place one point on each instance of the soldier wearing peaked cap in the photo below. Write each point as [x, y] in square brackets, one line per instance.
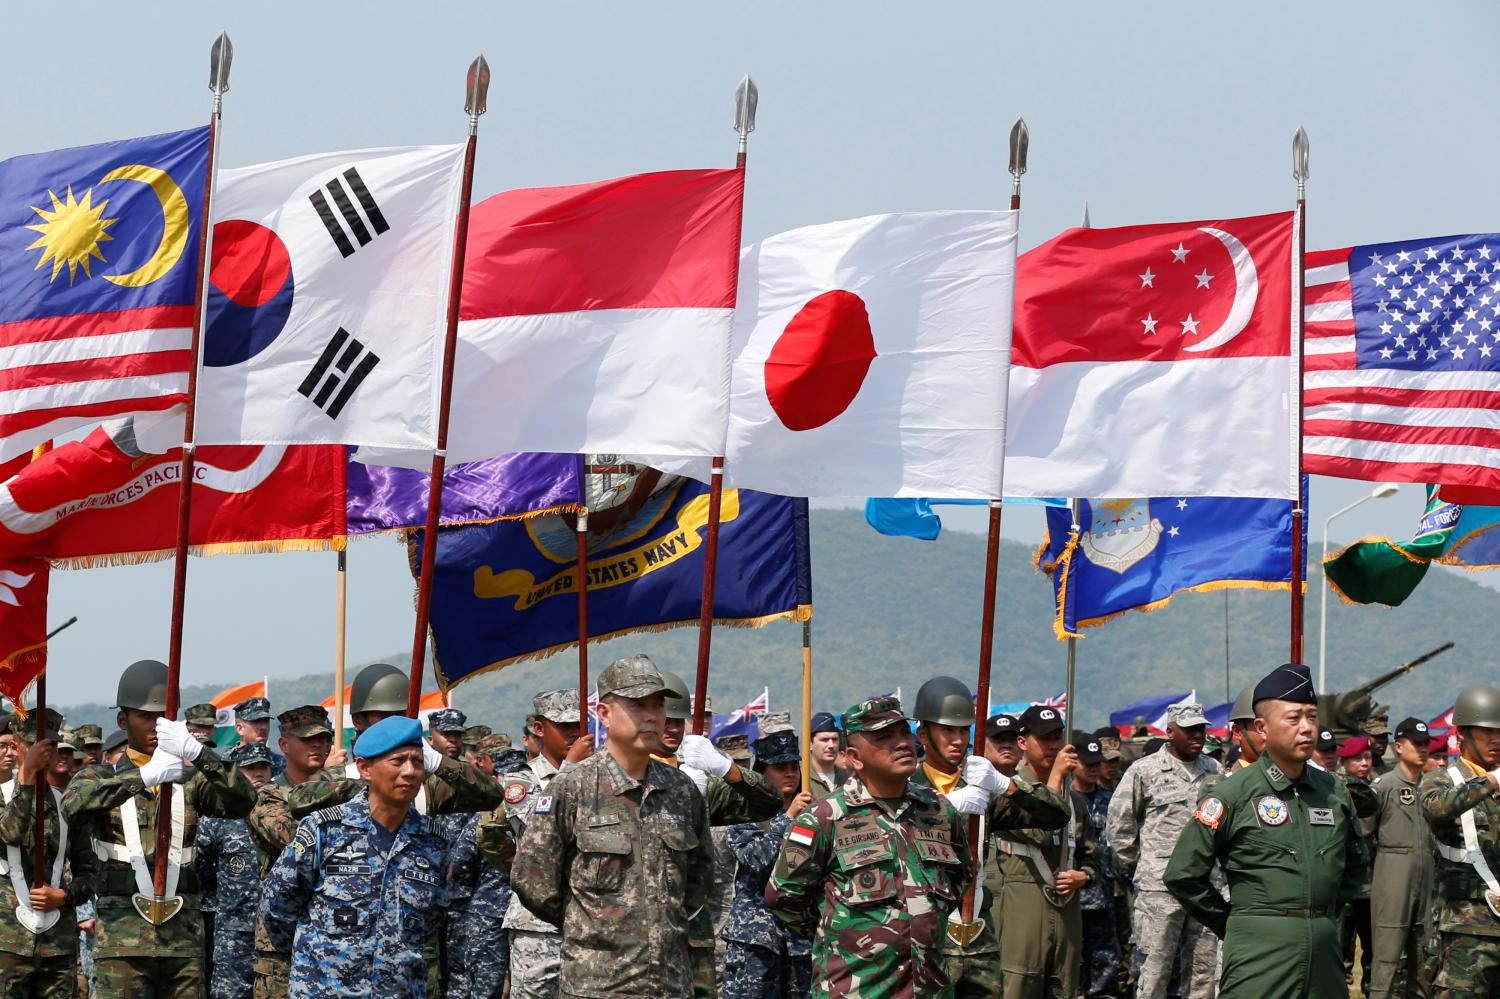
[252, 720]
[445, 729]
[143, 949]
[1287, 839]
[1401, 886]
[872, 872]
[1461, 803]
[616, 854]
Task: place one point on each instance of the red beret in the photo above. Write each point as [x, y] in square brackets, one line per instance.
[1353, 746]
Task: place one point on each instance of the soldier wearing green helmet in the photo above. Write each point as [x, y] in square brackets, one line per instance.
[1242, 724]
[1462, 807]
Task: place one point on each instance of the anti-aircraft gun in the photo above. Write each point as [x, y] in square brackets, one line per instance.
[1346, 712]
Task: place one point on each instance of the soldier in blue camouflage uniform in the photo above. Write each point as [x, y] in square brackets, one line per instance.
[446, 728]
[252, 720]
[228, 869]
[355, 896]
[1101, 944]
[478, 946]
[764, 958]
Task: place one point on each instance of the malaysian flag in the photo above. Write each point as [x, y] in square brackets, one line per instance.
[1402, 377]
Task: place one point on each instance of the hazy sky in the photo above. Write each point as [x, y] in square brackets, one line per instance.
[1149, 111]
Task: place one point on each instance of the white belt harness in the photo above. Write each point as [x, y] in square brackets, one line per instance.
[132, 854]
[351, 769]
[1471, 854]
[36, 922]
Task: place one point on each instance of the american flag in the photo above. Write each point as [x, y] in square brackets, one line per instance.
[1402, 377]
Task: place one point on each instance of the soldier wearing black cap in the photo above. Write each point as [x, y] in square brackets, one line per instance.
[826, 776]
[1287, 839]
[1043, 869]
[1000, 746]
[1401, 888]
[252, 720]
[1326, 751]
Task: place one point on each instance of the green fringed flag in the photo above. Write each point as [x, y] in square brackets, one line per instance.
[1379, 571]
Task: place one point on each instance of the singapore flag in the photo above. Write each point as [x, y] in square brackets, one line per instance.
[870, 357]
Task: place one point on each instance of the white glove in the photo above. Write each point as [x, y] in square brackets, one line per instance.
[174, 737]
[982, 773]
[431, 758]
[696, 751]
[164, 767]
[698, 777]
[970, 800]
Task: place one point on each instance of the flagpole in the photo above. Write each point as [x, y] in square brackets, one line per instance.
[340, 624]
[1300, 172]
[1020, 141]
[582, 532]
[221, 56]
[476, 92]
[1067, 706]
[745, 99]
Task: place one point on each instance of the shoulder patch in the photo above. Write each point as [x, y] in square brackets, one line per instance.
[803, 832]
[515, 791]
[1210, 812]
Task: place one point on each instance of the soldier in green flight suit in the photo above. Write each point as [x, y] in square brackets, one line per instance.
[1288, 841]
[972, 784]
[1401, 887]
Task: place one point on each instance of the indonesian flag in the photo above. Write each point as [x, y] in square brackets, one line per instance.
[595, 318]
[1156, 360]
[107, 499]
[23, 624]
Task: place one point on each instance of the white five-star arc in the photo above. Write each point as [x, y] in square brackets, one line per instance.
[1204, 279]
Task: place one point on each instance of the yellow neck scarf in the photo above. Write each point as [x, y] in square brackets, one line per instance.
[941, 782]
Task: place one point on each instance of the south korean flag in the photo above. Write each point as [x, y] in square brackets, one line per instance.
[327, 299]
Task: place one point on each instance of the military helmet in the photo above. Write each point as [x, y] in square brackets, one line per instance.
[946, 701]
[143, 686]
[1477, 705]
[1244, 706]
[378, 687]
[680, 706]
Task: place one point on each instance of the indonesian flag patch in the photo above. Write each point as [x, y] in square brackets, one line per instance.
[802, 835]
[1209, 812]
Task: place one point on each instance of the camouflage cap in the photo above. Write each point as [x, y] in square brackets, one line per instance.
[447, 720]
[489, 745]
[250, 753]
[509, 761]
[1186, 714]
[305, 721]
[26, 728]
[201, 714]
[90, 735]
[775, 721]
[474, 733]
[633, 677]
[777, 747]
[559, 706]
[67, 738]
[253, 709]
[736, 747]
[1378, 724]
[874, 714]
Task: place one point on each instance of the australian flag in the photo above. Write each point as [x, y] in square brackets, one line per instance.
[1137, 554]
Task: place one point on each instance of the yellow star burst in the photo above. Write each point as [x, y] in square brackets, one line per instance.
[71, 233]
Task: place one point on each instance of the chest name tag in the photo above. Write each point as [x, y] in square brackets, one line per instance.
[595, 821]
[1271, 810]
[1320, 816]
[349, 869]
[424, 877]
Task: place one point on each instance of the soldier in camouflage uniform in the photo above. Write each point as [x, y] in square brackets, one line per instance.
[1354, 923]
[734, 795]
[974, 786]
[616, 854]
[252, 720]
[871, 873]
[479, 893]
[763, 958]
[1462, 806]
[1101, 946]
[91, 737]
[1401, 887]
[1153, 804]
[445, 729]
[229, 870]
[117, 806]
[356, 895]
[42, 963]
[203, 721]
[306, 741]
[826, 743]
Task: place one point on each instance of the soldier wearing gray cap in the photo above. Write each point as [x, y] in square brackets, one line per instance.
[617, 853]
[1154, 802]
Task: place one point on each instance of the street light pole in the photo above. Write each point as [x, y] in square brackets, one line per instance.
[1381, 491]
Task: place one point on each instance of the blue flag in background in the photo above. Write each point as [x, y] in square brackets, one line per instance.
[916, 518]
[1475, 543]
[507, 591]
[1137, 554]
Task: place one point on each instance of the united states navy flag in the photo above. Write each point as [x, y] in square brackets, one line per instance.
[1137, 554]
[507, 591]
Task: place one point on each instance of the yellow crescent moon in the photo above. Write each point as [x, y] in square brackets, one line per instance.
[174, 224]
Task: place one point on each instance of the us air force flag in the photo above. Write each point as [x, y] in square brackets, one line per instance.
[1137, 554]
[508, 591]
[327, 298]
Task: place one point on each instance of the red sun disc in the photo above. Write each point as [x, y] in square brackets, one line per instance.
[250, 262]
[819, 362]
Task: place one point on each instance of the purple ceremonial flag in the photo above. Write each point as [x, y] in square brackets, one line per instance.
[382, 498]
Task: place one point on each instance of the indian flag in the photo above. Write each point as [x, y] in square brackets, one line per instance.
[430, 702]
[224, 702]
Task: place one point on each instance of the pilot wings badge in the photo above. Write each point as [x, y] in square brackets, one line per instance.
[1122, 532]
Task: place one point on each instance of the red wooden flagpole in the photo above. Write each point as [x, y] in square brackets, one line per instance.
[478, 88]
[1299, 170]
[220, 56]
[38, 849]
[747, 96]
[582, 530]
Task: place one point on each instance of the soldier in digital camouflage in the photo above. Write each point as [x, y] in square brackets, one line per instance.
[616, 854]
[228, 868]
[39, 957]
[1462, 805]
[872, 872]
[252, 722]
[356, 896]
[117, 804]
[764, 958]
